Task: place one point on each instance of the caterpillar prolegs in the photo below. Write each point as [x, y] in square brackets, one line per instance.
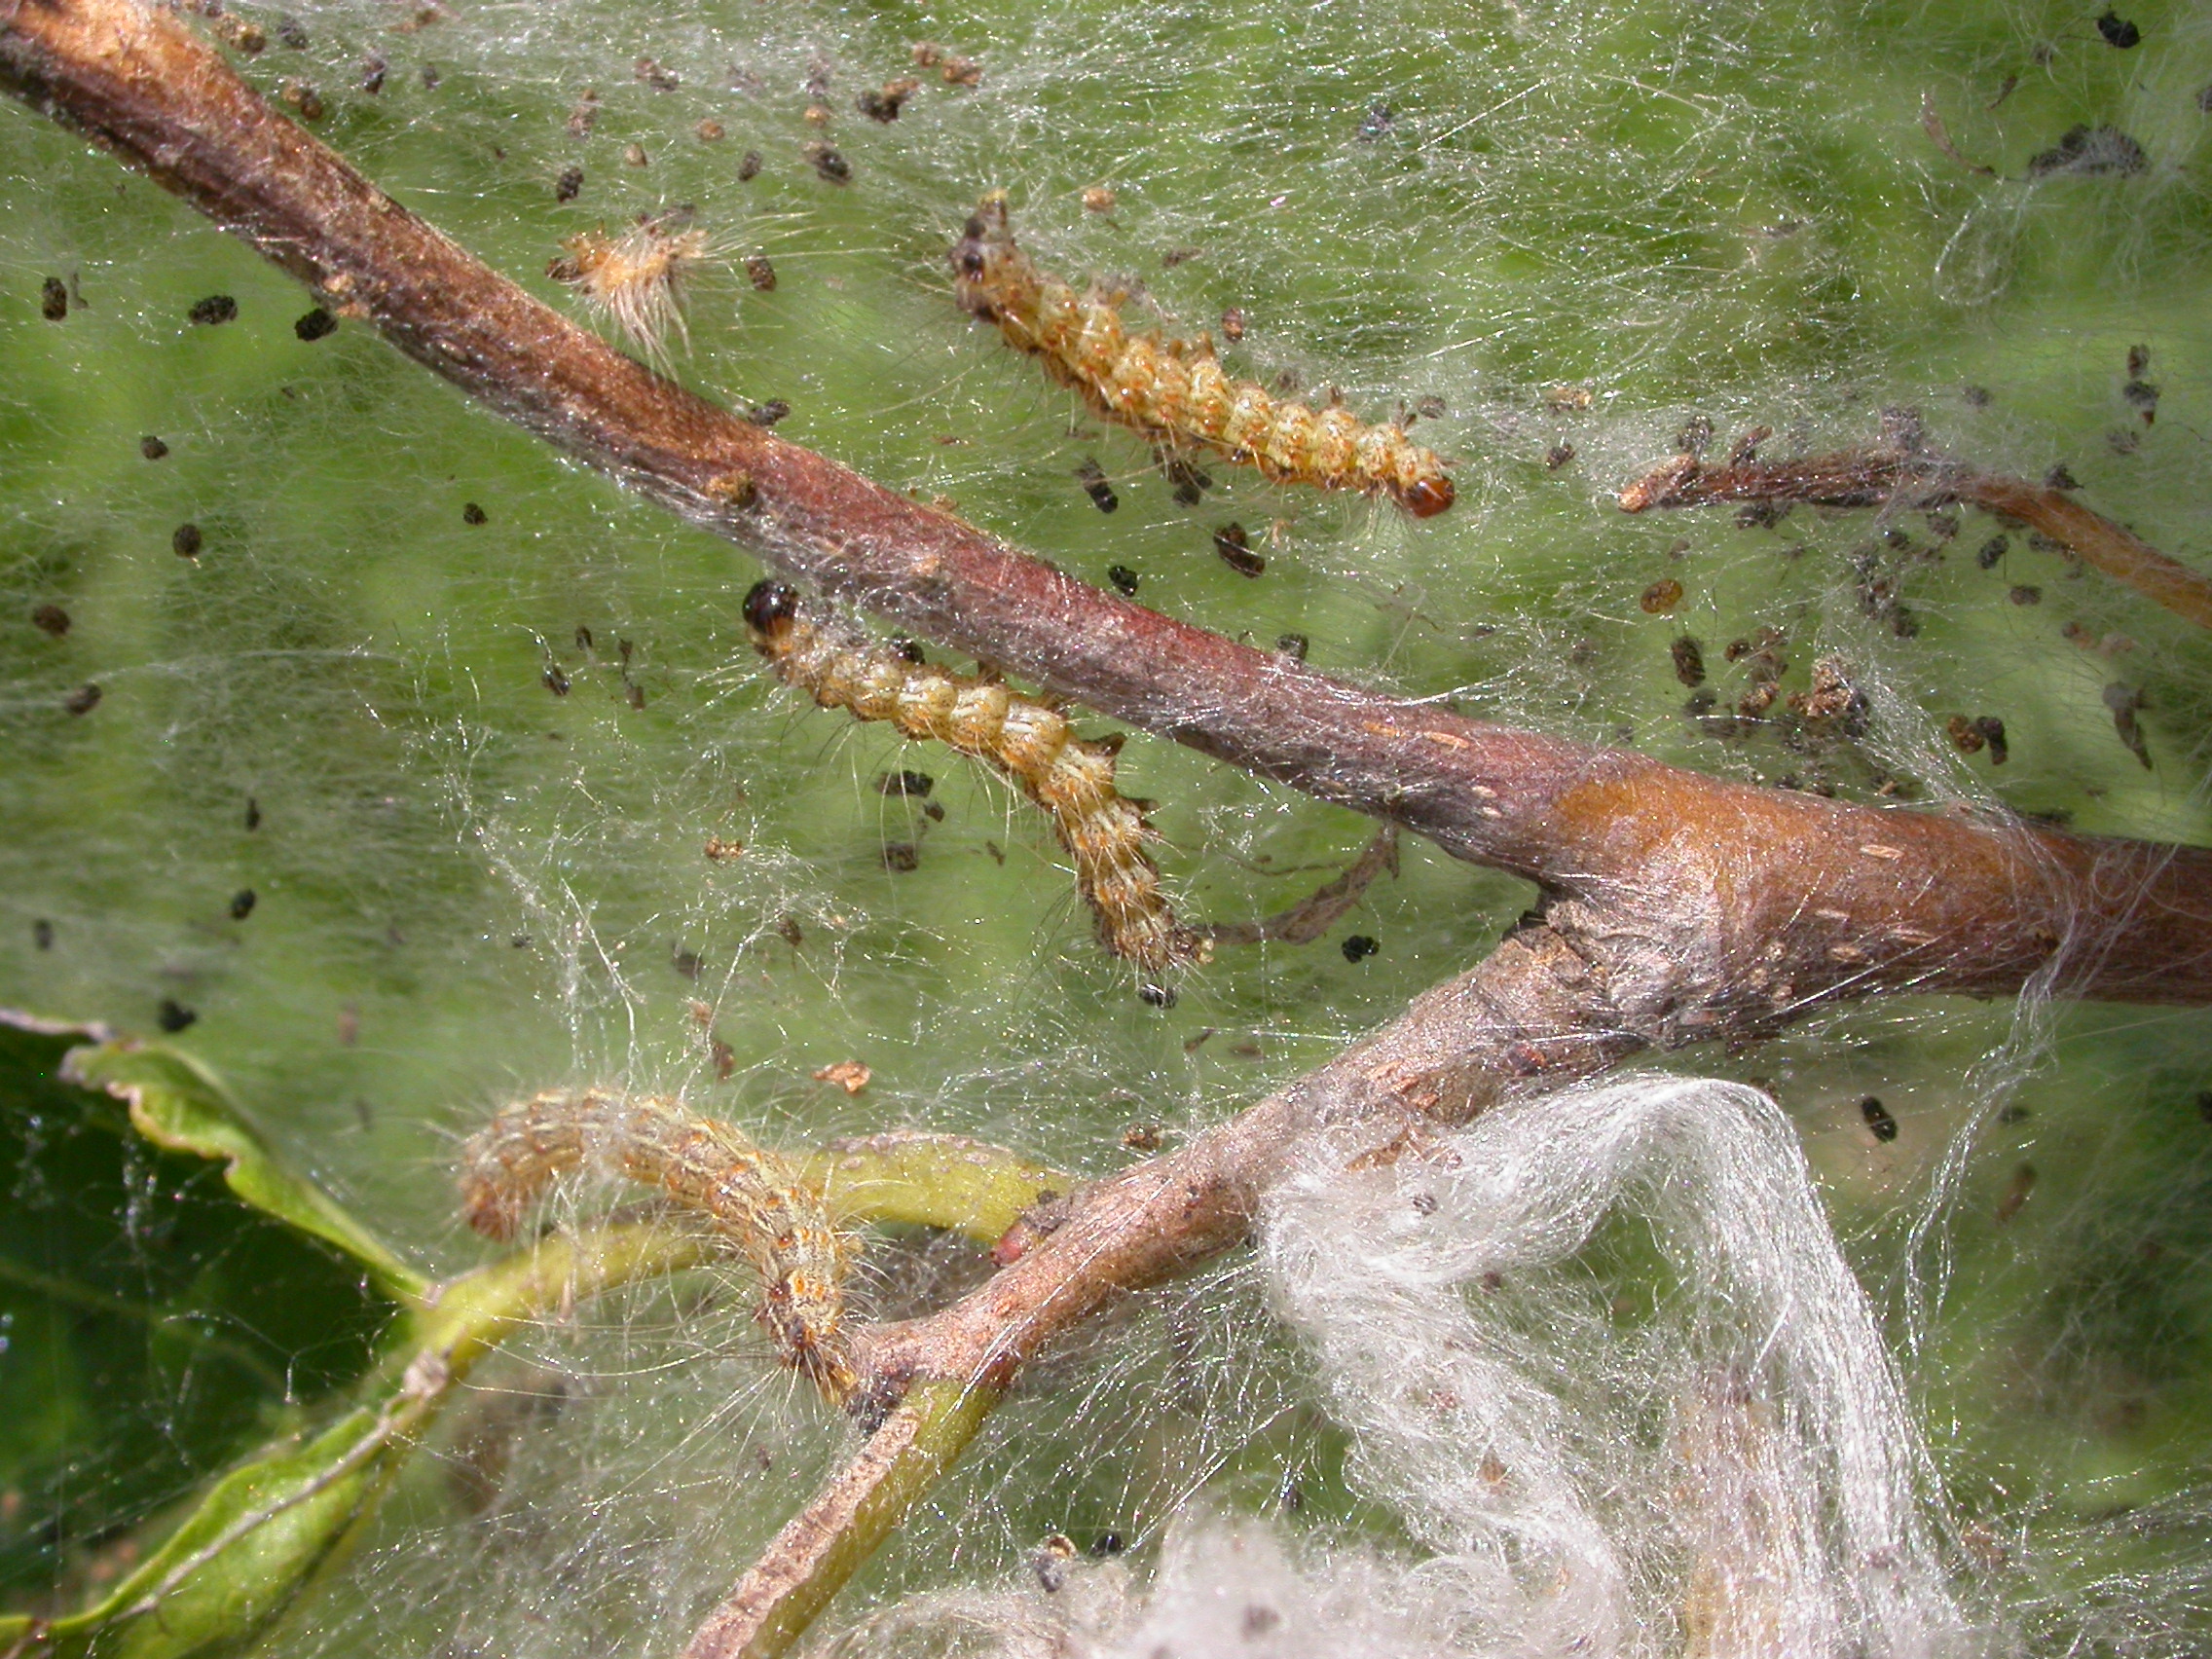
[1174, 391]
[1069, 777]
[752, 1197]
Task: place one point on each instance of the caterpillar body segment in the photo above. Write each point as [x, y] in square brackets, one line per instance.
[1033, 743]
[1175, 392]
[752, 1197]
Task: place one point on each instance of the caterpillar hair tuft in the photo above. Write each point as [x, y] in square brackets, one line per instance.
[637, 280]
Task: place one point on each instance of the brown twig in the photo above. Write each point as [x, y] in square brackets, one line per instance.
[1738, 880]
[1532, 1015]
[1315, 914]
[1914, 479]
[825, 1542]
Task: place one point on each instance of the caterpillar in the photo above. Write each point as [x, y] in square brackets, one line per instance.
[1174, 391]
[1070, 777]
[637, 279]
[752, 1197]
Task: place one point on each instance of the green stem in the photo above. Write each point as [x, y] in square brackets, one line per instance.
[270, 1524]
[466, 1317]
[949, 1181]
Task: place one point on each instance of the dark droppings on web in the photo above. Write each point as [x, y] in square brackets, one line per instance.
[2090, 152]
[1236, 550]
[1092, 477]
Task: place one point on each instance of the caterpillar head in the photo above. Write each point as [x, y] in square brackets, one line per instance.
[802, 1317]
[1426, 498]
[985, 257]
[490, 1209]
[769, 609]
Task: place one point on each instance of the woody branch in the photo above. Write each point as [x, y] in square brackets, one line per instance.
[1903, 473]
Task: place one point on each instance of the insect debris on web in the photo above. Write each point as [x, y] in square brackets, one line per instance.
[752, 1197]
[638, 280]
[1174, 391]
[1071, 778]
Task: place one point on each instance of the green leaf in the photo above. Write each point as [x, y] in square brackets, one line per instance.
[152, 1327]
[161, 1326]
[262, 1531]
[241, 1555]
[178, 1102]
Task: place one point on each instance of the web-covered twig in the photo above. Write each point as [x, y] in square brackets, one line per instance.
[1679, 907]
[1532, 1015]
[1909, 476]
[862, 1505]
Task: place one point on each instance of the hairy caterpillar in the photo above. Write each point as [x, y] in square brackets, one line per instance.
[637, 279]
[1174, 391]
[753, 1197]
[1069, 777]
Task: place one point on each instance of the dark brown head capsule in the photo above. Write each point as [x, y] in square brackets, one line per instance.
[769, 605]
[971, 254]
[1427, 498]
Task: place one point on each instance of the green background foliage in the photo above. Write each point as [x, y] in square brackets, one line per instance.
[467, 886]
[156, 1328]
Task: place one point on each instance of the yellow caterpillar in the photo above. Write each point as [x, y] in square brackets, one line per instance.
[1070, 778]
[753, 1197]
[1174, 391]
